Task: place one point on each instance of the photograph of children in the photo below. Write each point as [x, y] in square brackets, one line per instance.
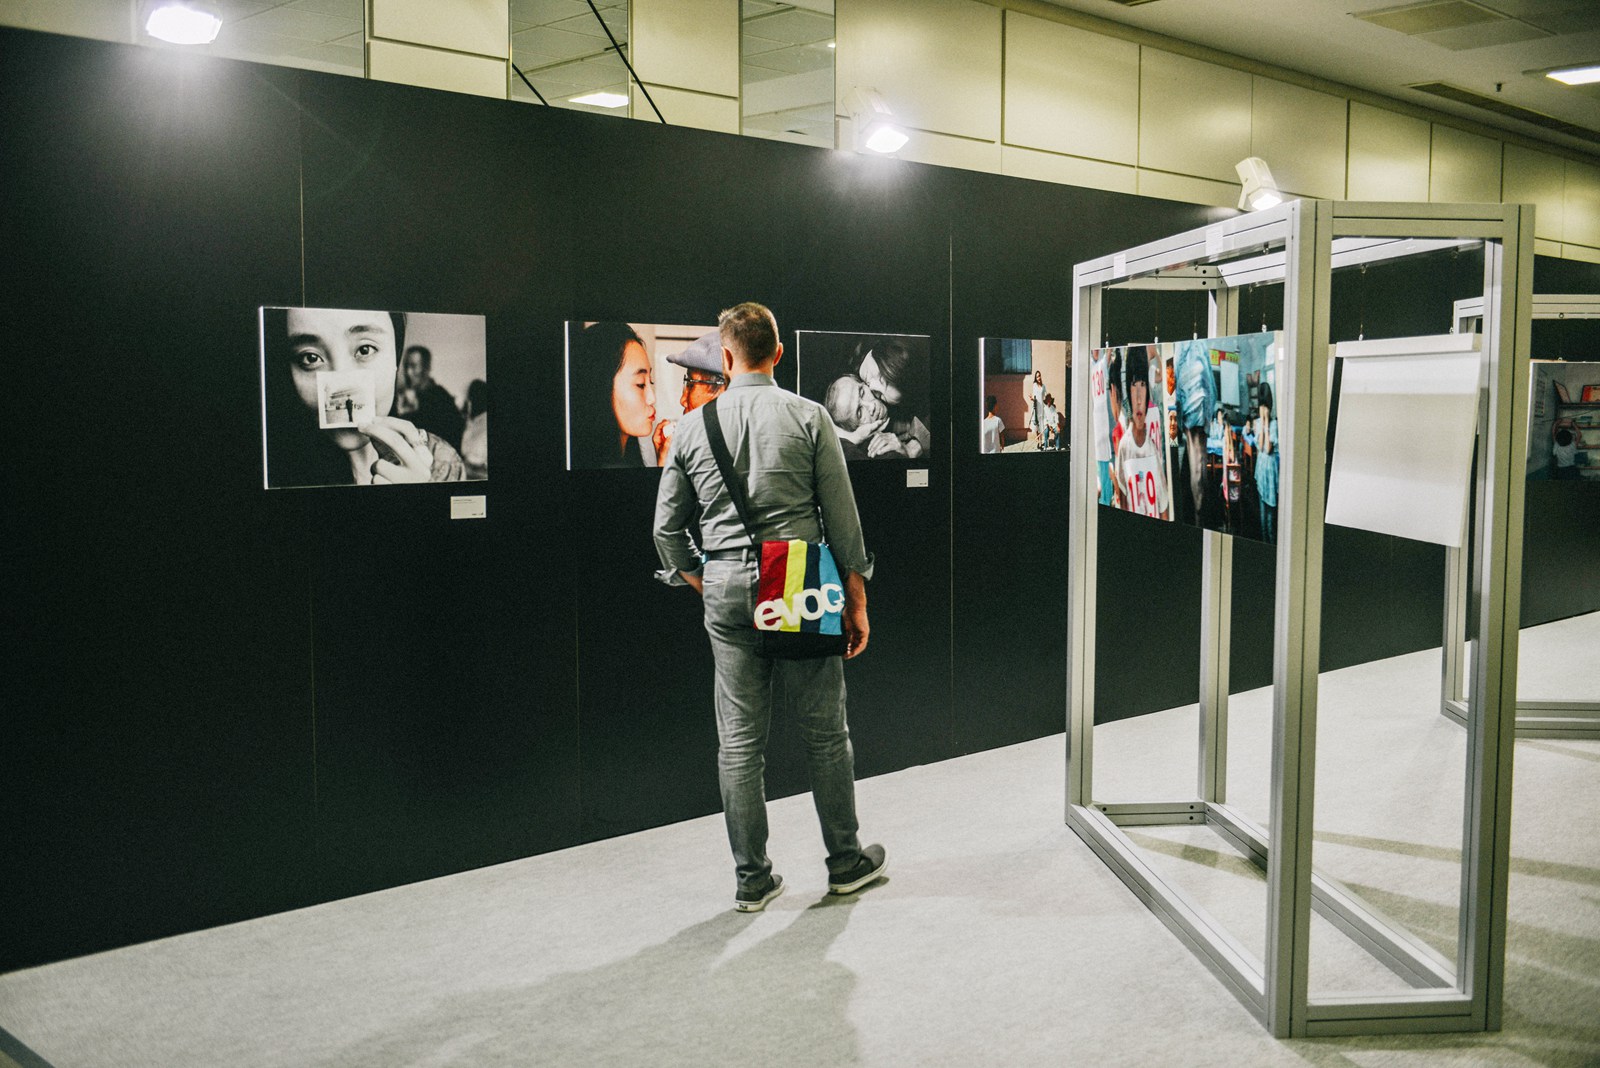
[1105, 428]
[1221, 420]
[628, 384]
[1135, 435]
[370, 398]
[875, 387]
[1023, 394]
[1564, 421]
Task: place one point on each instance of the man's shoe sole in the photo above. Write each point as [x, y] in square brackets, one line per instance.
[757, 906]
[856, 884]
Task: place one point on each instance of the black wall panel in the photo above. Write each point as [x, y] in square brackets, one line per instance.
[223, 702]
[156, 702]
[443, 650]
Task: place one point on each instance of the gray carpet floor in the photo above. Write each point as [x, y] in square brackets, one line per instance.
[998, 938]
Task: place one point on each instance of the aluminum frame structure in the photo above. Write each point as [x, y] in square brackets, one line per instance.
[1536, 717]
[1298, 241]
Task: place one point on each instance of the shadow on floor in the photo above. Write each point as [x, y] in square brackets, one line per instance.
[683, 1002]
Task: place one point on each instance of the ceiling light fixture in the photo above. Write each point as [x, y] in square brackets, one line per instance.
[1586, 75]
[182, 23]
[875, 128]
[600, 100]
[1259, 191]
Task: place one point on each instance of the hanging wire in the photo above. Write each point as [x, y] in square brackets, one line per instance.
[529, 84]
[624, 57]
[1361, 301]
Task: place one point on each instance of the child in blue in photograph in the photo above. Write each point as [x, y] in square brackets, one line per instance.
[1196, 407]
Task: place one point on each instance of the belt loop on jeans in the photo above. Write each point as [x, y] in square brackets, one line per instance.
[748, 554]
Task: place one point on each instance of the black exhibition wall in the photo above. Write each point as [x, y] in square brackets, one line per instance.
[224, 702]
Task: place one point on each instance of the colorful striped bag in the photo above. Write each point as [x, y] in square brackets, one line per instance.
[800, 600]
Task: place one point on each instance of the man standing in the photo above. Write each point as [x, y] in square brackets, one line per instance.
[786, 450]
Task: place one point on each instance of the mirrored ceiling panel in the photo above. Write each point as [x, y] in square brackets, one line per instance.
[786, 70]
[565, 53]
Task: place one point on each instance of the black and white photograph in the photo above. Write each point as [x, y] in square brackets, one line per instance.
[628, 384]
[370, 398]
[875, 387]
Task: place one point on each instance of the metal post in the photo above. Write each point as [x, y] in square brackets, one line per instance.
[1216, 641]
[1497, 581]
[1082, 555]
[1302, 423]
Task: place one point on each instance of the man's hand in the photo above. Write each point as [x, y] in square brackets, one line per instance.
[856, 628]
[697, 581]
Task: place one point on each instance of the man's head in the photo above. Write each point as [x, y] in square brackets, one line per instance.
[703, 379]
[989, 404]
[749, 338]
[851, 403]
[418, 364]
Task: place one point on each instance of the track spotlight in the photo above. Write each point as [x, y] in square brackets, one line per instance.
[181, 22]
[875, 128]
[1259, 190]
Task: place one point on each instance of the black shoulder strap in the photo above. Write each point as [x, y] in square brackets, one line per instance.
[730, 477]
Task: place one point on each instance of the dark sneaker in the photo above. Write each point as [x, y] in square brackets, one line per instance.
[756, 899]
[869, 868]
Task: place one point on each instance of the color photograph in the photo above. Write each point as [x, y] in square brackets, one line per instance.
[372, 398]
[875, 387]
[628, 384]
[1023, 395]
[1564, 421]
[1188, 431]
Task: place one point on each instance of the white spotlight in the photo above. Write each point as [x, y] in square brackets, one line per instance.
[182, 23]
[874, 123]
[1259, 190]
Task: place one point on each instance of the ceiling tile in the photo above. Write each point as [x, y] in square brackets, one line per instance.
[792, 27]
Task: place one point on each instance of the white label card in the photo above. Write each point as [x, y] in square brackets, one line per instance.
[475, 507]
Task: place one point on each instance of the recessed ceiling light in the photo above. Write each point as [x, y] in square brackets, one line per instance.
[1576, 75]
[600, 100]
[182, 23]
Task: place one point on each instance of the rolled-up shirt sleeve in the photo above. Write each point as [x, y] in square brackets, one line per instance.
[840, 519]
[675, 506]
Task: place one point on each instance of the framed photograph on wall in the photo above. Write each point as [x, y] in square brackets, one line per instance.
[1023, 394]
[629, 383]
[875, 387]
[370, 398]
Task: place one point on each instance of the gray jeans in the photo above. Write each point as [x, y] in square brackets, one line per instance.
[746, 687]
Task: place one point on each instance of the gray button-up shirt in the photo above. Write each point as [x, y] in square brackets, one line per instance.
[786, 450]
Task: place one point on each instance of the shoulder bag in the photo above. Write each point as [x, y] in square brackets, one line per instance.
[800, 600]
